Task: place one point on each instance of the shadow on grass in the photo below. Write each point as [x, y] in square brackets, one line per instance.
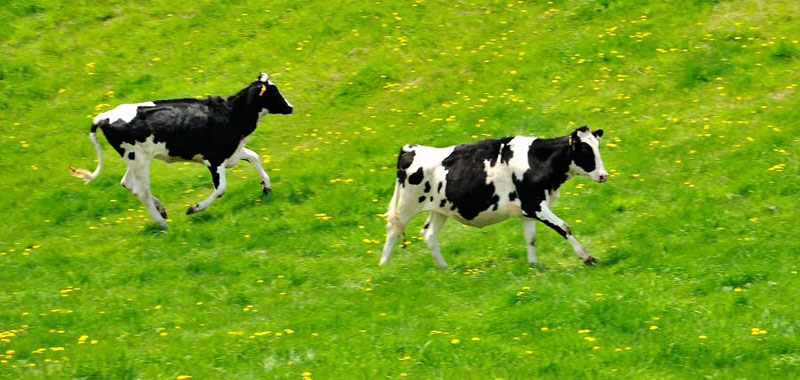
[152, 229]
[613, 259]
[202, 218]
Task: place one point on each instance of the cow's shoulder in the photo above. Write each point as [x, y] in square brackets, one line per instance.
[545, 171]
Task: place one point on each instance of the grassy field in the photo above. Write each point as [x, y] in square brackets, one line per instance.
[695, 232]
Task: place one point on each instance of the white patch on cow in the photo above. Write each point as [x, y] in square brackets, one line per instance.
[148, 149]
[263, 77]
[124, 112]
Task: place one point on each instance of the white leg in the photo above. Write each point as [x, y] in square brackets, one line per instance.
[529, 233]
[218, 176]
[141, 187]
[127, 179]
[394, 229]
[254, 159]
[129, 183]
[436, 221]
[550, 219]
[426, 225]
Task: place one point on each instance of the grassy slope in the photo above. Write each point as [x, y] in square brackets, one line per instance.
[698, 100]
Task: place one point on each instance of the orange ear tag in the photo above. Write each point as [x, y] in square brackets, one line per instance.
[263, 89]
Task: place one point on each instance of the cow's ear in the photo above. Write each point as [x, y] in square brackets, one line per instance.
[263, 77]
[598, 133]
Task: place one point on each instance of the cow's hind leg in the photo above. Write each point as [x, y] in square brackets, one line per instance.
[529, 233]
[127, 179]
[395, 228]
[218, 177]
[436, 221]
[140, 169]
[129, 183]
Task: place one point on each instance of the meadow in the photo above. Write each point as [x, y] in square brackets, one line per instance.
[695, 232]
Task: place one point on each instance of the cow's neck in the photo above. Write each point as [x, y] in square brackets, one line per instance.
[244, 113]
[554, 156]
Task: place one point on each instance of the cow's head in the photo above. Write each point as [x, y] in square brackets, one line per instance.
[267, 96]
[585, 160]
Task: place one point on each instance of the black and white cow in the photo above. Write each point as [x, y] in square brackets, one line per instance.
[212, 131]
[489, 181]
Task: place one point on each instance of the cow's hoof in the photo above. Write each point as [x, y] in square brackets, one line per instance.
[163, 225]
[192, 209]
[589, 261]
[161, 210]
[266, 189]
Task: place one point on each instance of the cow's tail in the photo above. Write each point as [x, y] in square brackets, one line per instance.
[391, 213]
[84, 174]
[395, 221]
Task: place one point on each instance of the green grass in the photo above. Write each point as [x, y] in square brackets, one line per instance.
[695, 231]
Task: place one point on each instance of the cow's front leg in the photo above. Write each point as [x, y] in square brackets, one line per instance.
[546, 216]
[254, 159]
[218, 176]
[529, 233]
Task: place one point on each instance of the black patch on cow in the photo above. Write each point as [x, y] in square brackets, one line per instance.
[466, 176]
[494, 208]
[584, 156]
[131, 156]
[212, 127]
[556, 228]
[421, 199]
[425, 227]
[512, 196]
[443, 202]
[506, 153]
[452, 207]
[439, 188]
[431, 199]
[427, 186]
[549, 161]
[404, 160]
[416, 178]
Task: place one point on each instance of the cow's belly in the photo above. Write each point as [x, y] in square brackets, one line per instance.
[150, 148]
[164, 156]
[504, 211]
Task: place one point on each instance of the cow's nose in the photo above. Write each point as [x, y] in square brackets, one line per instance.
[603, 177]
